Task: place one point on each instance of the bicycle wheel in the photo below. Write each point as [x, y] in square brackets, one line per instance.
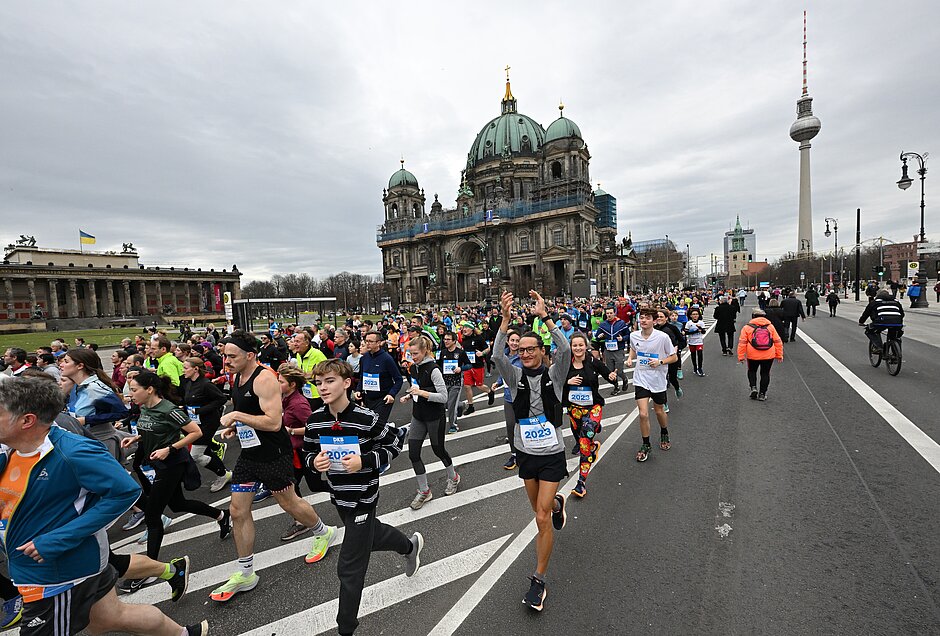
[893, 357]
[874, 355]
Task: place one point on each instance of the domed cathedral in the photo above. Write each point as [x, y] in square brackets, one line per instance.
[525, 217]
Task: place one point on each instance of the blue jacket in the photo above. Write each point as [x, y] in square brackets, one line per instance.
[611, 330]
[73, 493]
[96, 402]
[384, 366]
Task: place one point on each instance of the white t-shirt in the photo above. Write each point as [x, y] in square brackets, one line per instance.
[659, 347]
[695, 332]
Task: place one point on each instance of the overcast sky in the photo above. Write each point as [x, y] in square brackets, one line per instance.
[262, 134]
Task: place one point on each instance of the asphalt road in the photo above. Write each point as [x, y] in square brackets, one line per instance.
[812, 512]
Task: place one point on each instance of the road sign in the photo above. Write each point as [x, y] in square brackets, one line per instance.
[802, 275]
[928, 248]
[227, 301]
[912, 268]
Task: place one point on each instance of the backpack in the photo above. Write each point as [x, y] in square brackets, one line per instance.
[761, 338]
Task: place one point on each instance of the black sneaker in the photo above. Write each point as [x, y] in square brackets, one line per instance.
[202, 629]
[490, 397]
[616, 390]
[459, 409]
[761, 397]
[753, 393]
[558, 516]
[536, 594]
[129, 586]
[510, 463]
[180, 580]
[225, 524]
[469, 409]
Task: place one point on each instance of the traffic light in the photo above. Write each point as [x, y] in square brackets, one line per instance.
[879, 270]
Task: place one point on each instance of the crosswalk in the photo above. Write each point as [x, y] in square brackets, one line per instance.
[471, 537]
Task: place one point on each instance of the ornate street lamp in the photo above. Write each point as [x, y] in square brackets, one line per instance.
[904, 183]
[828, 233]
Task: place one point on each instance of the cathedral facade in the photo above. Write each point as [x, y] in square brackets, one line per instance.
[525, 217]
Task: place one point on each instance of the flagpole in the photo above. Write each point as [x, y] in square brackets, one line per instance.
[81, 246]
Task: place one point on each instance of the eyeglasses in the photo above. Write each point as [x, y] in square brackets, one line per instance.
[529, 350]
[370, 340]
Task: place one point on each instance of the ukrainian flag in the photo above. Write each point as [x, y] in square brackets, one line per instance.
[85, 238]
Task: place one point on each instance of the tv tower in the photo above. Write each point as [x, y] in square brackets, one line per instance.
[803, 129]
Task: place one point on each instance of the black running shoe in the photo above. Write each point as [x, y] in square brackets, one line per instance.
[225, 524]
[129, 586]
[202, 629]
[753, 393]
[490, 397]
[558, 516]
[459, 409]
[535, 597]
[180, 581]
[469, 409]
[761, 397]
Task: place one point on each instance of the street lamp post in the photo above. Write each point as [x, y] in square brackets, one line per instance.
[667, 264]
[904, 183]
[835, 253]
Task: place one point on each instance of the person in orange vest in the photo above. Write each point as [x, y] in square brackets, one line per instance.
[759, 344]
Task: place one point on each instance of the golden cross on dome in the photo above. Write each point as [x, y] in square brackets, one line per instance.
[507, 72]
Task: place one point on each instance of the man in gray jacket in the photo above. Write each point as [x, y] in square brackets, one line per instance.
[537, 393]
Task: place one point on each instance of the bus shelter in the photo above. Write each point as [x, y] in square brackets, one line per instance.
[253, 314]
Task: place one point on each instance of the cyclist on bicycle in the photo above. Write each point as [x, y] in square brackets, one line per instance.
[885, 313]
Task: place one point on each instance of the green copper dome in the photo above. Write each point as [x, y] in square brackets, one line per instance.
[562, 128]
[402, 178]
[512, 132]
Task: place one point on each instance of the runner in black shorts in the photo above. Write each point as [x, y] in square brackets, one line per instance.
[266, 457]
[540, 453]
[652, 351]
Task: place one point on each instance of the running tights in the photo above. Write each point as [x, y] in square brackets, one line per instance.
[435, 431]
[696, 355]
[764, 366]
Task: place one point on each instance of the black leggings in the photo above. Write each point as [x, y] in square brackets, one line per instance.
[697, 356]
[764, 366]
[208, 440]
[673, 375]
[435, 431]
[167, 490]
[811, 309]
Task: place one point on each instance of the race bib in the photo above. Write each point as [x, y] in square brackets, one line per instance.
[643, 359]
[537, 433]
[472, 355]
[582, 324]
[370, 382]
[148, 472]
[610, 345]
[308, 391]
[247, 436]
[414, 383]
[191, 412]
[581, 396]
[450, 366]
[133, 425]
[337, 448]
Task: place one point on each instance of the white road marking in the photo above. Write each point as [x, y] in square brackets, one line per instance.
[387, 593]
[723, 530]
[725, 508]
[918, 440]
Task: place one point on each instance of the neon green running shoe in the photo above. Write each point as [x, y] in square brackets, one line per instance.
[236, 583]
[320, 545]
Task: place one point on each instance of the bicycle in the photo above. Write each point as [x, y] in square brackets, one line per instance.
[890, 352]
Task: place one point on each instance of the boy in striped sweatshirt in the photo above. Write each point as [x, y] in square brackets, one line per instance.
[349, 444]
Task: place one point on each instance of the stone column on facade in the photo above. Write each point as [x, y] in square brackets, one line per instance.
[8, 288]
[92, 300]
[109, 298]
[73, 299]
[128, 309]
[31, 292]
[173, 296]
[159, 288]
[142, 297]
[189, 297]
[236, 289]
[53, 298]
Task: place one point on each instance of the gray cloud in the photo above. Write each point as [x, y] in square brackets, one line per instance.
[230, 132]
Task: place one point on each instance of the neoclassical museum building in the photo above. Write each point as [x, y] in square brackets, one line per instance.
[73, 288]
[525, 217]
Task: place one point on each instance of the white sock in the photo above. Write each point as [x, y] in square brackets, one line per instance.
[319, 529]
[247, 564]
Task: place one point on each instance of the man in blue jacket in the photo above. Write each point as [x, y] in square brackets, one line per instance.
[58, 495]
[379, 376]
[613, 335]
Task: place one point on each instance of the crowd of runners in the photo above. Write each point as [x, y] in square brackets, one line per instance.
[309, 408]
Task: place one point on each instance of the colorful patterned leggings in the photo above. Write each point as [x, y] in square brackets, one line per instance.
[586, 426]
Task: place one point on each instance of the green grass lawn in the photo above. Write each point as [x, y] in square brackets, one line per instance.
[103, 337]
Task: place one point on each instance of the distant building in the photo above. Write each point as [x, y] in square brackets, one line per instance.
[56, 285]
[898, 255]
[750, 242]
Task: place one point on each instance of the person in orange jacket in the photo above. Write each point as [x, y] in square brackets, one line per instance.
[760, 345]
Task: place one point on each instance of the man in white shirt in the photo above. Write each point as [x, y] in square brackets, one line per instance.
[652, 351]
